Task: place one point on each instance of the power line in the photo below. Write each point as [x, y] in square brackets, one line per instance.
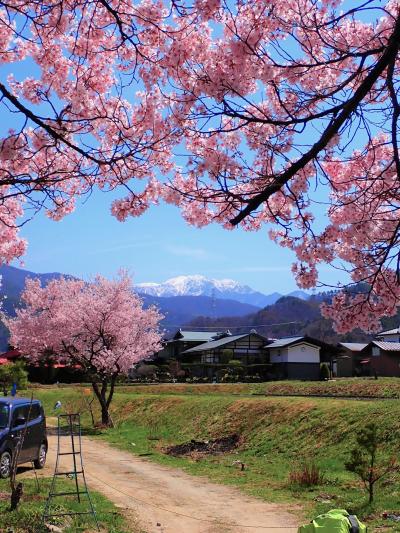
[251, 326]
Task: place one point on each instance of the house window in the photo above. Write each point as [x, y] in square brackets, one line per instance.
[376, 351]
[208, 358]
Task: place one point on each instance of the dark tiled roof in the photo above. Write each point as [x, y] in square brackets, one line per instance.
[194, 336]
[216, 344]
[11, 354]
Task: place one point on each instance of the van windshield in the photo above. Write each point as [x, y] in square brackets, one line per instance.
[3, 415]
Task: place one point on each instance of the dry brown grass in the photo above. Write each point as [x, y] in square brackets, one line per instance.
[187, 388]
[307, 474]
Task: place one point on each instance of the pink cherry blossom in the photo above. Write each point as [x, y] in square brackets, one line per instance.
[100, 326]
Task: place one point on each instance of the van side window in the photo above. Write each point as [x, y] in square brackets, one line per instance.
[34, 412]
[19, 412]
[3, 416]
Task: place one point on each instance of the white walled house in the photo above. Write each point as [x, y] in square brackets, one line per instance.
[295, 357]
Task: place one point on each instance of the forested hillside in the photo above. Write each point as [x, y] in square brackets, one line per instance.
[289, 316]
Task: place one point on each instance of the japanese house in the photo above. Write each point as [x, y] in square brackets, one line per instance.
[296, 357]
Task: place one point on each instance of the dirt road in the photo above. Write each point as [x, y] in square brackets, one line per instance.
[168, 500]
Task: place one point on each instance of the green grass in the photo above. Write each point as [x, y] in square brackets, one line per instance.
[27, 518]
[276, 433]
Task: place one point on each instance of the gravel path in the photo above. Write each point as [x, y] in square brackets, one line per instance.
[168, 500]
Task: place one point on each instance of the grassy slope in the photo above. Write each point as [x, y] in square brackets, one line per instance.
[276, 434]
[27, 518]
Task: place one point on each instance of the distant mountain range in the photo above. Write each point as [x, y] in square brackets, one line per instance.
[215, 288]
[13, 282]
[179, 310]
[196, 301]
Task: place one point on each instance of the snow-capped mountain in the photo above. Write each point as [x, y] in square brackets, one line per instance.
[201, 286]
[192, 286]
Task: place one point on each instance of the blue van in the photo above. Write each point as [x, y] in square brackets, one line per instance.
[19, 415]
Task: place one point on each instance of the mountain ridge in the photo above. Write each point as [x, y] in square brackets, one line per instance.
[198, 285]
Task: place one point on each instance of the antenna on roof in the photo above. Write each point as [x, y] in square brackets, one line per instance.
[213, 303]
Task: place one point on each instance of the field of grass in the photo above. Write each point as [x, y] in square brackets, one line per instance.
[276, 436]
[27, 518]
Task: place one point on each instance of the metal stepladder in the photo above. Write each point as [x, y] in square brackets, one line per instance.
[69, 450]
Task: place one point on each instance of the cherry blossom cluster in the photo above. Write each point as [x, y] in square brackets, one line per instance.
[100, 326]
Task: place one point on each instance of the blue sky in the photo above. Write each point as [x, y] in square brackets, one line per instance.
[154, 247]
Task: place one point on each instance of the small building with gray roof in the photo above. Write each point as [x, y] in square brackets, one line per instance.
[379, 357]
[296, 357]
[348, 360]
[390, 335]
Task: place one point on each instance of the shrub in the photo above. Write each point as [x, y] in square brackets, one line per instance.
[226, 356]
[306, 475]
[11, 373]
[324, 371]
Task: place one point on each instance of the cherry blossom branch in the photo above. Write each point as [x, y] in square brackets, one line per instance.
[388, 57]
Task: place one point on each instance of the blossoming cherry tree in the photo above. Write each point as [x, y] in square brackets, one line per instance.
[101, 327]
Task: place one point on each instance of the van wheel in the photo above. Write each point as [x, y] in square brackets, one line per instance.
[5, 465]
[41, 460]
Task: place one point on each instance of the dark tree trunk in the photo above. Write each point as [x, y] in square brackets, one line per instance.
[16, 495]
[105, 400]
[105, 417]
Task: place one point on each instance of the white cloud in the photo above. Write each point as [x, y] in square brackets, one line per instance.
[186, 251]
[145, 243]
